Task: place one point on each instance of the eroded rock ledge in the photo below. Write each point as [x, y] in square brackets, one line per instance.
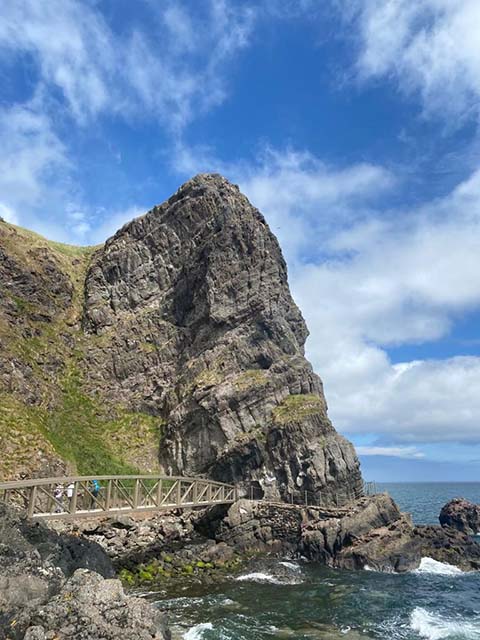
[371, 532]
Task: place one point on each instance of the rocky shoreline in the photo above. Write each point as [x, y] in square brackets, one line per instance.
[63, 587]
[370, 533]
[58, 581]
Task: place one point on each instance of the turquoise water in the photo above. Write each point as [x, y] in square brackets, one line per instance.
[302, 601]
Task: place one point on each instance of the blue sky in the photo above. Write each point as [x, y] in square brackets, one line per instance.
[354, 127]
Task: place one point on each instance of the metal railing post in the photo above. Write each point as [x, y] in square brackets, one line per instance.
[108, 496]
[136, 491]
[73, 501]
[159, 492]
[31, 501]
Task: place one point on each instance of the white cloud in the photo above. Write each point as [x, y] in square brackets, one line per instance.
[427, 46]
[71, 44]
[175, 70]
[8, 214]
[366, 279]
[396, 452]
[170, 68]
[31, 152]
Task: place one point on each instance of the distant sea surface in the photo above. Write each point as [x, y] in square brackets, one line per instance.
[304, 601]
[425, 499]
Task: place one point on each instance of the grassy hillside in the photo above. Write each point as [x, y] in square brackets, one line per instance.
[49, 422]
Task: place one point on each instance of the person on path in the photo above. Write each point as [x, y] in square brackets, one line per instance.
[58, 495]
[70, 490]
[95, 491]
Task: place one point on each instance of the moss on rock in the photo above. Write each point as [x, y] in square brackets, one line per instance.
[296, 407]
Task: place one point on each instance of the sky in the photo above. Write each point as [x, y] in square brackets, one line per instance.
[353, 125]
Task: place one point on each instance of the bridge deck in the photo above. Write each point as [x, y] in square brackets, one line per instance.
[76, 496]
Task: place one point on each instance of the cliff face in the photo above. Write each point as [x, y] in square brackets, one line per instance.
[187, 318]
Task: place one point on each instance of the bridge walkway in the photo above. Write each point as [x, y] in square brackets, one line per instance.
[88, 496]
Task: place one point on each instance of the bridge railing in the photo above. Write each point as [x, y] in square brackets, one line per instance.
[82, 496]
[301, 497]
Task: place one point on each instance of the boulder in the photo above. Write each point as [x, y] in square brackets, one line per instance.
[448, 545]
[60, 586]
[462, 515]
[91, 608]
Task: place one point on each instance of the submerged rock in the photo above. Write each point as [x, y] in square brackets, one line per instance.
[462, 515]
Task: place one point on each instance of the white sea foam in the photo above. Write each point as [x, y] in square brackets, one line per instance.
[196, 632]
[290, 565]
[429, 565]
[434, 627]
[257, 576]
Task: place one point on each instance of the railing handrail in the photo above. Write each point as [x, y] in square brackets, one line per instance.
[18, 484]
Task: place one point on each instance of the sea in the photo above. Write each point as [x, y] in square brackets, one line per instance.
[298, 600]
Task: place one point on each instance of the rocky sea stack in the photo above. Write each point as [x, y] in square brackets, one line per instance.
[175, 346]
[462, 515]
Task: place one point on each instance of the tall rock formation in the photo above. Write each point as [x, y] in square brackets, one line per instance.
[174, 346]
[191, 319]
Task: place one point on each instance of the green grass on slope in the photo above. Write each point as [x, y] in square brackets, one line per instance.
[70, 250]
[82, 432]
[66, 423]
[296, 407]
[79, 431]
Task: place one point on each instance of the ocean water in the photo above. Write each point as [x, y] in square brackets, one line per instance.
[424, 500]
[299, 600]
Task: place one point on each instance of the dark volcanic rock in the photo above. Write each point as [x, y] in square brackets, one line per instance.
[370, 532]
[34, 562]
[91, 608]
[448, 545]
[54, 586]
[198, 326]
[461, 515]
[184, 315]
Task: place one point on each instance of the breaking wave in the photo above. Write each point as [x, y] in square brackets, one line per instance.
[434, 627]
[258, 576]
[196, 632]
[429, 565]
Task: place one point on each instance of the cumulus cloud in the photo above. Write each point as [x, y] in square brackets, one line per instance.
[371, 279]
[429, 47]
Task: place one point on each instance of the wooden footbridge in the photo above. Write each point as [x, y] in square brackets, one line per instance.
[87, 496]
